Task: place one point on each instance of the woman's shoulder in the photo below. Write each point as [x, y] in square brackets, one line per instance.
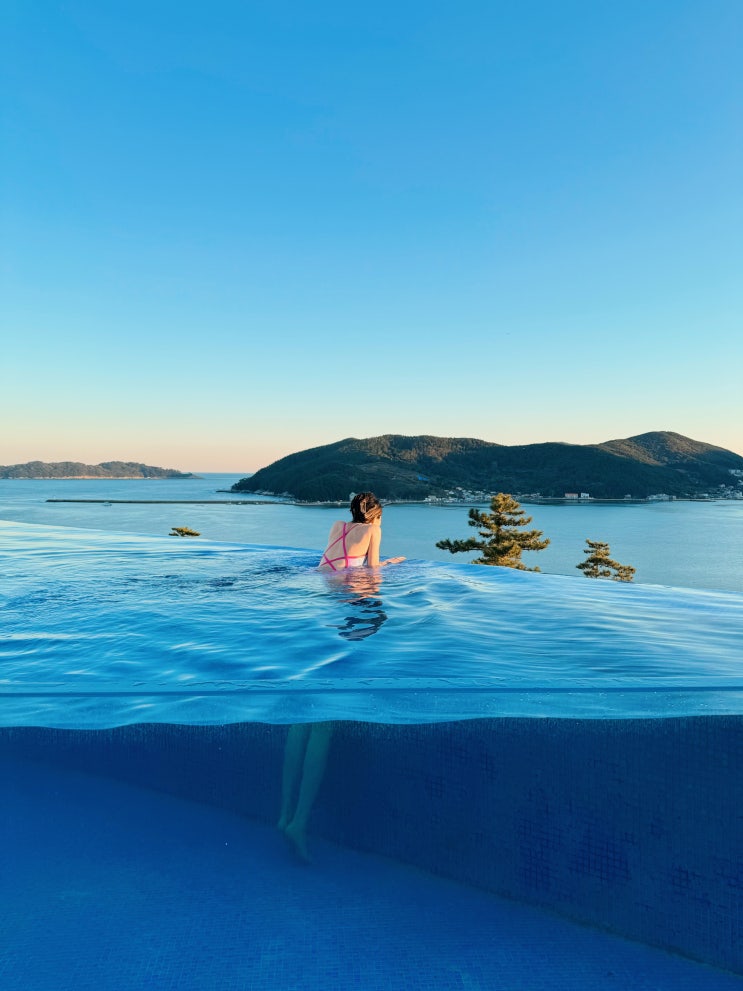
[339, 525]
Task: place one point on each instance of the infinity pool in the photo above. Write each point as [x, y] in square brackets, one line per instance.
[103, 629]
[570, 745]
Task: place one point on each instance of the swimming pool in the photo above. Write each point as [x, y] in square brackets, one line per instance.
[568, 744]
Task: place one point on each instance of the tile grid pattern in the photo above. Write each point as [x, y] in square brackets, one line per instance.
[116, 888]
[635, 826]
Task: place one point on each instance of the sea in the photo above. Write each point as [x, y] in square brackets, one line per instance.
[682, 544]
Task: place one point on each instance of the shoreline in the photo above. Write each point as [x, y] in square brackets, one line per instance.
[99, 478]
[524, 500]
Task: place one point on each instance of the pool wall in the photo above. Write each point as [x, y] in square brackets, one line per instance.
[635, 826]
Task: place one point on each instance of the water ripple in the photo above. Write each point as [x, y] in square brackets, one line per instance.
[102, 629]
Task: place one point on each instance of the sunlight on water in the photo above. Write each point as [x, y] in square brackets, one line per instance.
[102, 629]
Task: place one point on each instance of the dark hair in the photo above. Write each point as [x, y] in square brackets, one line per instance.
[365, 507]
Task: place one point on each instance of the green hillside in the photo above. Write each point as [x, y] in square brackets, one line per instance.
[399, 467]
[75, 469]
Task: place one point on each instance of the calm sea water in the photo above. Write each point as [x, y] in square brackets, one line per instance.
[685, 544]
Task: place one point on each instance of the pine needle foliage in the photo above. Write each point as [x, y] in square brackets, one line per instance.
[503, 541]
[598, 563]
[183, 531]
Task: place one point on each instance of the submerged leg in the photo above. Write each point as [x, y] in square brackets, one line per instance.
[315, 759]
[294, 756]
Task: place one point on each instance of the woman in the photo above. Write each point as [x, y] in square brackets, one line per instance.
[351, 545]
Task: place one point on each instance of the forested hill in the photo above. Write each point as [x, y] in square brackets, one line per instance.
[75, 469]
[398, 467]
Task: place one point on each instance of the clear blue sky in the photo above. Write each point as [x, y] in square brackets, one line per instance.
[235, 230]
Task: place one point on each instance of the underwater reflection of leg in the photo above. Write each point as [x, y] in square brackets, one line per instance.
[296, 743]
[304, 767]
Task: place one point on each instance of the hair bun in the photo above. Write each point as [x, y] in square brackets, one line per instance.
[365, 507]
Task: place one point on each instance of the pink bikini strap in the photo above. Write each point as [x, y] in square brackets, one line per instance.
[327, 560]
[346, 556]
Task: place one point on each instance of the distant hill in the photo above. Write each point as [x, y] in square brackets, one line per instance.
[398, 467]
[75, 469]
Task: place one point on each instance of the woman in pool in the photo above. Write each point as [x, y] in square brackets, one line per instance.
[350, 545]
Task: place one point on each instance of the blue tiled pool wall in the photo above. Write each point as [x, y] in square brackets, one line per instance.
[635, 826]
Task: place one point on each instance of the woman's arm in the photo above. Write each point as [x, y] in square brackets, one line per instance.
[372, 555]
[375, 540]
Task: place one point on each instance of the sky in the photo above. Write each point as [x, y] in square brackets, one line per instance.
[232, 231]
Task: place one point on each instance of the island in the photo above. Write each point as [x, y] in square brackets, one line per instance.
[75, 469]
[655, 465]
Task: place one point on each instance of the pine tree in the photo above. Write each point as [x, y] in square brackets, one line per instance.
[502, 542]
[598, 564]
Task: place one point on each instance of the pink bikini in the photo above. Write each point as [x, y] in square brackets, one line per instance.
[349, 560]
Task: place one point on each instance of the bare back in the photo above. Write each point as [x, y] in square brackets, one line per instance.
[351, 545]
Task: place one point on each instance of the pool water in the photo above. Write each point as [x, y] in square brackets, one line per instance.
[103, 629]
[523, 769]
[117, 887]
